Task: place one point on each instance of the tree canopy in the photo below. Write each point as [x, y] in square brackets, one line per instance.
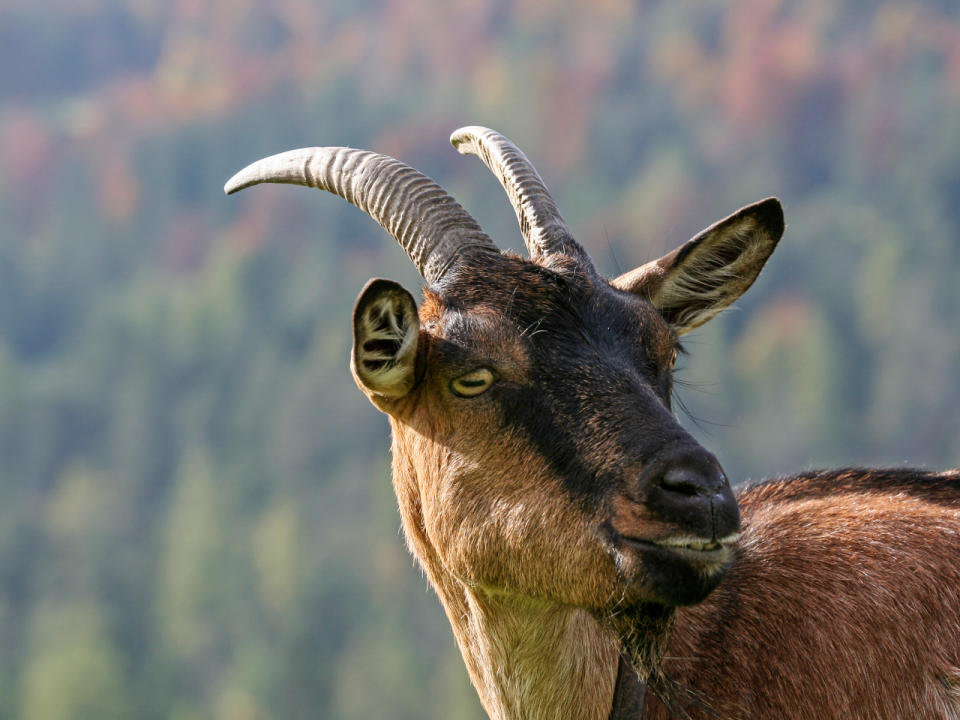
[196, 519]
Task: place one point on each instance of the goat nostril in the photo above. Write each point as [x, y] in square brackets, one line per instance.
[687, 481]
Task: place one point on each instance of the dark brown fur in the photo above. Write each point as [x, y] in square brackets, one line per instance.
[843, 602]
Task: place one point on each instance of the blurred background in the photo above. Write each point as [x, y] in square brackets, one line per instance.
[196, 519]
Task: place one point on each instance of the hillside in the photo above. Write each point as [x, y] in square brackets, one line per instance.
[196, 519]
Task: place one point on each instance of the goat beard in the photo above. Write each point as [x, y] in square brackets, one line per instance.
[643, 633]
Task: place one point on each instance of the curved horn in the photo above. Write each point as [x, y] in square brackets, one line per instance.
[544, 230]
[428, 223]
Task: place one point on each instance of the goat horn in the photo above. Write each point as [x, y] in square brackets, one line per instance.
[429, 224]
[543, 228]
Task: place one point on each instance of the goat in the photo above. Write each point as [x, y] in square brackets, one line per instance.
[590, 555]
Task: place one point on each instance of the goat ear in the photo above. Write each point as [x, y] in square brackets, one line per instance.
[385, 333]
[704, 275]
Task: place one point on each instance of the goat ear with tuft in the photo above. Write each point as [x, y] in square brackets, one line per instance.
[704, 275]
[385, 333]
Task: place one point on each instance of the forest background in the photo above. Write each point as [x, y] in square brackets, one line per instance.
[196, 519]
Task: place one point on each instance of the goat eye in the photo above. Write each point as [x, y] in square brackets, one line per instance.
[473, 383]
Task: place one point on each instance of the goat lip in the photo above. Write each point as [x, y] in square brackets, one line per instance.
[698, 544]
[700, 551]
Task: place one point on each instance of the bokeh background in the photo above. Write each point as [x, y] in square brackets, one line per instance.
[196, 519]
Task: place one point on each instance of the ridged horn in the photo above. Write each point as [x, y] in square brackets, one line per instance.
[429, 224]
[543, 228]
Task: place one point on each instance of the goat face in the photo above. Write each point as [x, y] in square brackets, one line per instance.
[535, 450]
[535, 454]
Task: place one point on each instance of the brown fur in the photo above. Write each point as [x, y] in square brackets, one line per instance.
[527, 657]
[843, 602]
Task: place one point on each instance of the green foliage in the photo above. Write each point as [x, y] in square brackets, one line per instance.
[195, 513]
[73, 672]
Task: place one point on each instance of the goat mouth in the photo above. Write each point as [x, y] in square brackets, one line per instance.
[695, 544]
[672, 571]
[707, 554]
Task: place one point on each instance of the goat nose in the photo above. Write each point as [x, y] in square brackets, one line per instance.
[690, 480]
[690, 491]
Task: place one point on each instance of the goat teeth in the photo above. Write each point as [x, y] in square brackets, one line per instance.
[691, 544]
[701, 546]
